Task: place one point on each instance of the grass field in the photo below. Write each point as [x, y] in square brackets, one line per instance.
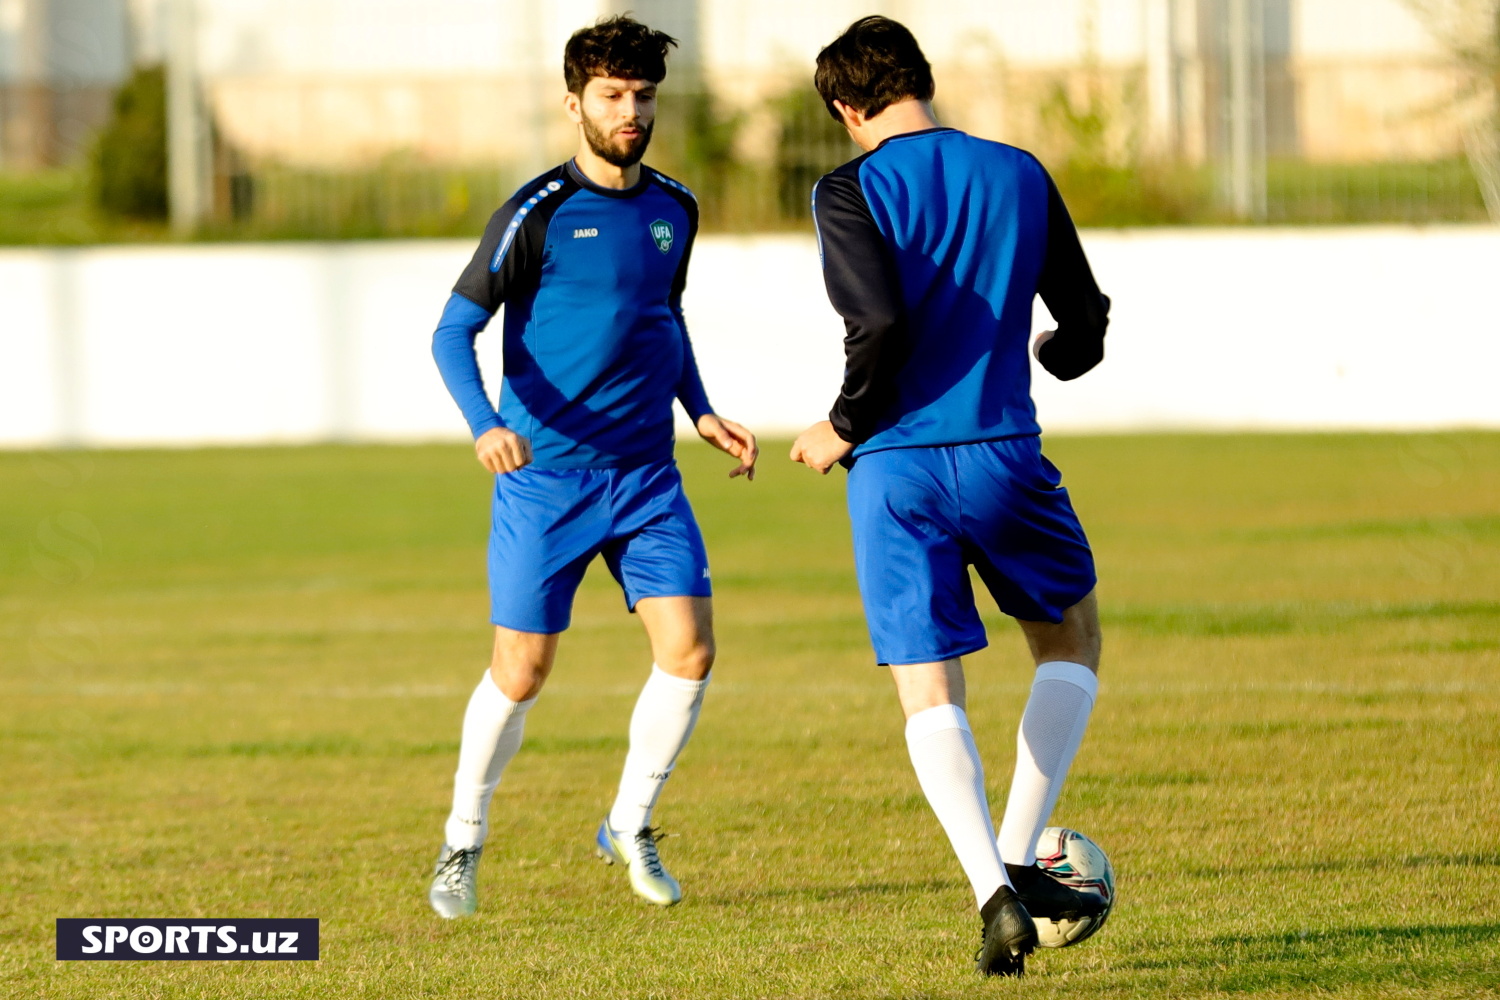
[232, 682]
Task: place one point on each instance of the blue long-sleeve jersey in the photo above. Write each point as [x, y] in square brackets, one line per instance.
[934, 246]
[595, 344]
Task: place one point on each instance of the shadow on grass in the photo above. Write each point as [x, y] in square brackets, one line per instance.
[1352, 940]
[831, 893]
[1420, 956]
[328, 746]
[1261, 730]
[1452, 646]
[1473, 527]
[1319, 960]
[1482, 860]
[1146, 779]
[1219, 621]
[338, 746]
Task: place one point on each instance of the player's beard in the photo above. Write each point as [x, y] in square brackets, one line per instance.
[610, 149]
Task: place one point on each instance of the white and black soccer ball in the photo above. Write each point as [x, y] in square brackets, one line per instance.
[1076, 861]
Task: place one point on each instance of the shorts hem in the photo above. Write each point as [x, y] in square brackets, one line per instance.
[533, 631]
[909, 661]
[632, 600]
[1062, 608]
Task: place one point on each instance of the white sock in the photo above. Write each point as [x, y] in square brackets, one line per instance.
[664, 717]
[493, 725]
[950, 773]
[1062, 696]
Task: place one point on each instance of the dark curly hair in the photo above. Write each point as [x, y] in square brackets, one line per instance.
[617, 46]
[872, 65]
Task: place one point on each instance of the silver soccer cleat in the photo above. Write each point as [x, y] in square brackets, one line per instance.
[638, 854]
[454, 892]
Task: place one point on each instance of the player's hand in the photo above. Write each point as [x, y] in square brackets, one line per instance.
[820, 446]
[501, 450]
[1041, 338]
[726, 435]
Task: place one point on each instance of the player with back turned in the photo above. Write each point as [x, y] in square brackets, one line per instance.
[934, 246]
[590, 261]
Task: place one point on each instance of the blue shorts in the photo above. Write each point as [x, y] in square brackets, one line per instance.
[549, 524]
[922, 516]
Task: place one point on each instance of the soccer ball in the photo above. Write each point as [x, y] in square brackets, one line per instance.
[1076, 861]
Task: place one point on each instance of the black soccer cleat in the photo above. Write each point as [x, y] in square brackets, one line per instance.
[1048, 899]
[1009, 935]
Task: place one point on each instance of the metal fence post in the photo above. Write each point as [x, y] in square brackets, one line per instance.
[1247, 139]
[189, 151]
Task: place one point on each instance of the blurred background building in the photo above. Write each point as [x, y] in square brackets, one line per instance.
[60, 62]
[342, 118]
[197, 122]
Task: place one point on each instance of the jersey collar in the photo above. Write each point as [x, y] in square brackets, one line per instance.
[588, 185]
[913, 135]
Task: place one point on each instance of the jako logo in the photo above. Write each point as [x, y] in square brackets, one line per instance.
[583, 234]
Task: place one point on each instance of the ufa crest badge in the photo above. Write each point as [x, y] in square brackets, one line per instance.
[661, 232]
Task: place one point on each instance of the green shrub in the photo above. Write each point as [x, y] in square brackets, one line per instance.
[130, 154]
[811, 144]
[1104, 176]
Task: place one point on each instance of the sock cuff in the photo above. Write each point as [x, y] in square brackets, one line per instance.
[492, 690]
[1075, 674]
[660, 676]
[934, 720]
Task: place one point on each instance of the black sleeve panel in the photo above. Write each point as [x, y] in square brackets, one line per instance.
[862, 285]
[689, 204]
[1068, 288]
[508, 261]
[690, 388]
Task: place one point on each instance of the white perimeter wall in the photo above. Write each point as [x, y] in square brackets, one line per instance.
[1244, 329]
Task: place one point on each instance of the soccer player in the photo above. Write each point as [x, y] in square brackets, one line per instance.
[934, 245]
[590, 260]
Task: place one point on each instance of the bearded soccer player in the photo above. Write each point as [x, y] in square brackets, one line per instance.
[934, 245]
[589, 260]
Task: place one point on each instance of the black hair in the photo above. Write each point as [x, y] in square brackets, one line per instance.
[617, 46]
[872, 65]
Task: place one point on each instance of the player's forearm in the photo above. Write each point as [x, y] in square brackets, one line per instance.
[863, 288]
[1078, 345]
[690, 390]
[873, 355]
[453, 350]
[849, 421]
[694, 400]
[1071, 294]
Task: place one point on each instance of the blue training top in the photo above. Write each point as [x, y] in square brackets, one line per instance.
[934, 245]
[595, 344]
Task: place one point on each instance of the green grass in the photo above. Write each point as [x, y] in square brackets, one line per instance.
[1394, 192]
[55, 208]
[230, 685]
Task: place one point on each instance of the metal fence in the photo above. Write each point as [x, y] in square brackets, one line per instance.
[1147, 112]
[768, 187]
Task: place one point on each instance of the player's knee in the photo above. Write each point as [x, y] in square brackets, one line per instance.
[700, 659]
[691, 663]
[518, 681]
